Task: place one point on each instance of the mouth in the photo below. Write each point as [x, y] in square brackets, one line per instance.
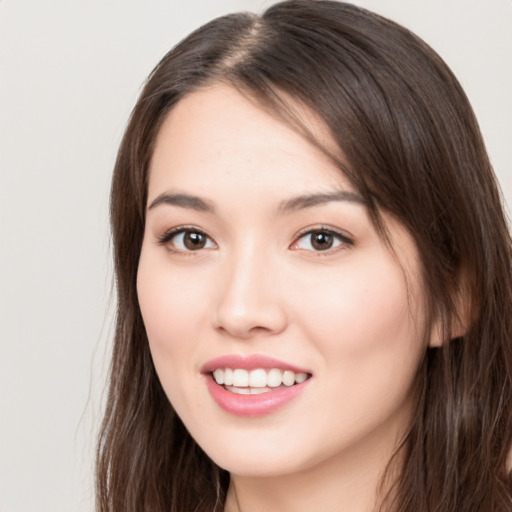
[257, 381]
[254, 385]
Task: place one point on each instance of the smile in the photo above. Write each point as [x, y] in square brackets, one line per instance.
[254, 385]
[257, 381]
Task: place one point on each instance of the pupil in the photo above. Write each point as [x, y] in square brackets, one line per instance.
[194, 241]
[322, 241]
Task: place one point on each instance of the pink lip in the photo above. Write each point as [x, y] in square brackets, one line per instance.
[251, 362]
[251, 405]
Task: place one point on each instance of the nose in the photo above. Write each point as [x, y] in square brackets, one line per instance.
[250, 301]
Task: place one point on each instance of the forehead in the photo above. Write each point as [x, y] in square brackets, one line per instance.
[245, 163]
[217, 133]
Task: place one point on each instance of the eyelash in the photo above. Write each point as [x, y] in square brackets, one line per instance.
[167, 237]
[343, 240]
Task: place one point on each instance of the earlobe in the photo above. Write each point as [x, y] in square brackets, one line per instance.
[437, 334]
[459, 328]
[461, 318]
[438, 337]
[458, 323]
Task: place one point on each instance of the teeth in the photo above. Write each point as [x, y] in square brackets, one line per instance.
[218, 375]
[274, 378]
[300, 377]
[256, 381]
[228, 377]
[248, 391]
[240, 391]
[240, 378]
[258, 378]
[259, 391]
[288, 378]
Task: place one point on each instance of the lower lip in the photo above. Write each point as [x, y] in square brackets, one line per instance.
[253, 405]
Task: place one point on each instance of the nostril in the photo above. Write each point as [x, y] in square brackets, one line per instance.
[259, 320]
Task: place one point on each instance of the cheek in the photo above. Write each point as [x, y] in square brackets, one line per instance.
[170, 310]
[169, 303]
[380, 314]
[365, 321]
[170, 291]
[370, 348]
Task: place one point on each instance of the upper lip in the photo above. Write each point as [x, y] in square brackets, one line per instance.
[251, 362]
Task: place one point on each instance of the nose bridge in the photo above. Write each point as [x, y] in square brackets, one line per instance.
[249, 301]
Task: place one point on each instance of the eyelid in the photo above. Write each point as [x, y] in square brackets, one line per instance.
[166, 237]
[343, 237]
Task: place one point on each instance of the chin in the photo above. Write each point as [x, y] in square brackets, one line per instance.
[256, 467]
[261, 458]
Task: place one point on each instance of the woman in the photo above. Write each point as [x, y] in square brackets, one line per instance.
[314, 278]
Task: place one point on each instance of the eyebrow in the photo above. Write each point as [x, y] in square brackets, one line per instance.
[286, 207]
[184, 201]
[309, 200]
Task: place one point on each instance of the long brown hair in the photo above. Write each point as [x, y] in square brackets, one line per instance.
[414, 151]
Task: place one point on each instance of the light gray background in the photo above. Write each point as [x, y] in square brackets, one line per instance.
[70, 71]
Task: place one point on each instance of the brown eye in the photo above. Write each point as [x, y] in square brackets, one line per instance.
[187, 240]
[193, 240]
[321, 241]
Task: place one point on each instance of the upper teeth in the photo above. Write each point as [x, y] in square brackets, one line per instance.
[258, 378]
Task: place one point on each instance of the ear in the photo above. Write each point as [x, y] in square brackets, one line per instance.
[458, 322]
[438, 336]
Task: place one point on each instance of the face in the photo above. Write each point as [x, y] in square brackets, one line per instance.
[284, 331]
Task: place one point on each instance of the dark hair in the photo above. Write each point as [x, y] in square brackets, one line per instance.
[414, 151]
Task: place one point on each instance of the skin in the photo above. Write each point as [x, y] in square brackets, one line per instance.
[352, 315]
